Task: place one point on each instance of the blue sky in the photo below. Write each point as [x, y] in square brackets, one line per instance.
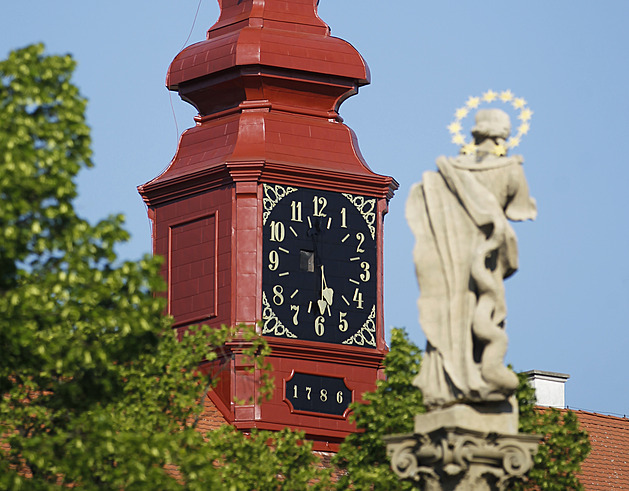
[569, 303]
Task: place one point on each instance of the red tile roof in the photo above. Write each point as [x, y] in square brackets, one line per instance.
[607, 466]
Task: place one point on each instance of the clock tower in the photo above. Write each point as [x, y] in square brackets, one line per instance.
[269, 214]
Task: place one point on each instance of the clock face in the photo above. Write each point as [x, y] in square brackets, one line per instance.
[320, 266]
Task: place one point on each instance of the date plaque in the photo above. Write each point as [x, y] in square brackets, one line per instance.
[318, 394]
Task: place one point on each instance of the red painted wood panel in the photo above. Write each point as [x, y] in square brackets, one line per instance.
[194, 236]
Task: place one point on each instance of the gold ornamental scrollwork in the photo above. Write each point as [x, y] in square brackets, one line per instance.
[366, 334]
[367, 208]
[272, 325]
[273, 194]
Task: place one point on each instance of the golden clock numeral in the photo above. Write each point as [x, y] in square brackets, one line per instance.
[296, 309]
[274, 260]
[366, 274]
[358, 298]
[343, 218]
[343, 325]
[361, 238]
[277, 231]
[278, 298]
[319, 327]
[295, 207]
[319, 204]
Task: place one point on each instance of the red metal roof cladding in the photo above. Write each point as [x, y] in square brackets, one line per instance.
[268, 82]
[312, 144]
[298, 14]
[607, 466]
[285, 34]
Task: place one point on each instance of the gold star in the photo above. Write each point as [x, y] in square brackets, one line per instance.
[458, 139]
[506, 96]
[518, 103]
[468, 149]
[489, 96]
[461, 113]
[454, 127]
[513, 142]
[523, 129]
[500, 150]
[473, 102]
[525, 115]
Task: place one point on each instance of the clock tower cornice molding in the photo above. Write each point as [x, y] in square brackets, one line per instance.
[299, 350]
[282, 173]
[374, 185]
[325, 352]
[262, 87]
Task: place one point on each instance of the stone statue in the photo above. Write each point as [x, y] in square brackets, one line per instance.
[464, 249]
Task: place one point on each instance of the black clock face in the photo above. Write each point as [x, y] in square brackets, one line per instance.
[320, 266]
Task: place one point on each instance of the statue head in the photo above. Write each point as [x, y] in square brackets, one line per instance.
[492, 124]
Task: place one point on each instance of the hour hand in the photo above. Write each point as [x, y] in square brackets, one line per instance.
[323, 305]
[327, 294]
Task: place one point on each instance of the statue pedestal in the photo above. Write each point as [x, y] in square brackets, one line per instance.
[464, 447]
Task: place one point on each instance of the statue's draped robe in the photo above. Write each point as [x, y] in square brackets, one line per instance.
[459, 218]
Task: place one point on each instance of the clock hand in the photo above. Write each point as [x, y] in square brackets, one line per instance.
[326, 293]
[322, 302]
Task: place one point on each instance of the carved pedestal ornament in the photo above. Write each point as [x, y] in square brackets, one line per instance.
[456, 459]
[464, 447]
[465, 248]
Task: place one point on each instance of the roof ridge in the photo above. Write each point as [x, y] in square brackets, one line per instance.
[600, 415]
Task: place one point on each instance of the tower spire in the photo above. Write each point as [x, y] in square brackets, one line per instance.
[257, 49]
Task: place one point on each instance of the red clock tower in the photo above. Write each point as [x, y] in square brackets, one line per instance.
[268, 213]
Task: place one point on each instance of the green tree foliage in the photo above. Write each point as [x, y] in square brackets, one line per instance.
[565, 445]
[390, 409]
[95, 390]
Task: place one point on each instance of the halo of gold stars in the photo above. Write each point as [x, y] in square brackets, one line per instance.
[506, 97]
